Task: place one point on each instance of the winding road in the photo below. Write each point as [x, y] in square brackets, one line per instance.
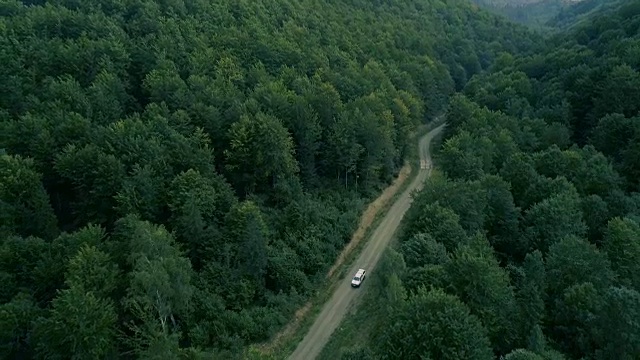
[336, 308]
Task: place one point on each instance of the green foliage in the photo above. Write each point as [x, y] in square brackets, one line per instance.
[521, 354]
[357, 354]
[620, 332]
[432, 325]
[24, 204]
[93, 270]
[551, 220]
[422, 249]
[260, 152]
[620, 241]
[17, 317]
[80, 323]
[436, 221]
[479, 282]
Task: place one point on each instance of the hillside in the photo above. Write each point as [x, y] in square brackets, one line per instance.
[527, 244]
[507, 3]
[583, 11]
[177, 176]
[544, 14]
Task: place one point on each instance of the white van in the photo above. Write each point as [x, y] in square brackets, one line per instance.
[358, 278]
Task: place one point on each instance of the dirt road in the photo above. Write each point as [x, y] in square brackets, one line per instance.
[336, 308]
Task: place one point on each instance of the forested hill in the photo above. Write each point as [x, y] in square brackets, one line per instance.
[527, 244]
[547, 14]
[176, 176]
[584, 11]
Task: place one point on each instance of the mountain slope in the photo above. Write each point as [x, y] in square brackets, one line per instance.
[538, 13]
[584, 10]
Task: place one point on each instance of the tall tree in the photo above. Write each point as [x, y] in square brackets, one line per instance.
[433, 324]
[25, 208]
[620, 242]
[159, 291]
[475, 276]
[80, 324]
[261, 153]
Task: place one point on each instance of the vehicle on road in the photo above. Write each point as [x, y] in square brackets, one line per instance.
[358, 278]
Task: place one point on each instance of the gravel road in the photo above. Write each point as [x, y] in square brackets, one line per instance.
[335, 309]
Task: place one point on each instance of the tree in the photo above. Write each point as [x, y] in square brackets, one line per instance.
[92, 270]
[551, 220]
[476, 278]
[389, 289]
[519, 171]
[530, 295]
[556, 134]
[164, 84]
[460, 110]
[620, 242]
[306, 132]
[17, 317]
[425, 276]
[20, 263]
[24, 204]
[574, 319]
[422, 249]
[245, 250]
[521, 354]
[467, 199]
[95, 177]
[467, 157]
[502, 222]
[574, 261]
[159, 291]
[138, 113]
[260, 154]
[358, 353]
[80, 323]
[343, 148]
[595, 212]
[434, 325]
[199, 205]
[439, 222]
[612, 135]
[108, 97]
[619, 332]
[619, 92]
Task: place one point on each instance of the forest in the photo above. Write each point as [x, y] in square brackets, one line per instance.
[525, 245]
[176, 177]
[550, 15]
[533, 13]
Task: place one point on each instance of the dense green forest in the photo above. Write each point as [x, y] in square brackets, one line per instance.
[177, 176]
[526, 244]
[533, 13]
